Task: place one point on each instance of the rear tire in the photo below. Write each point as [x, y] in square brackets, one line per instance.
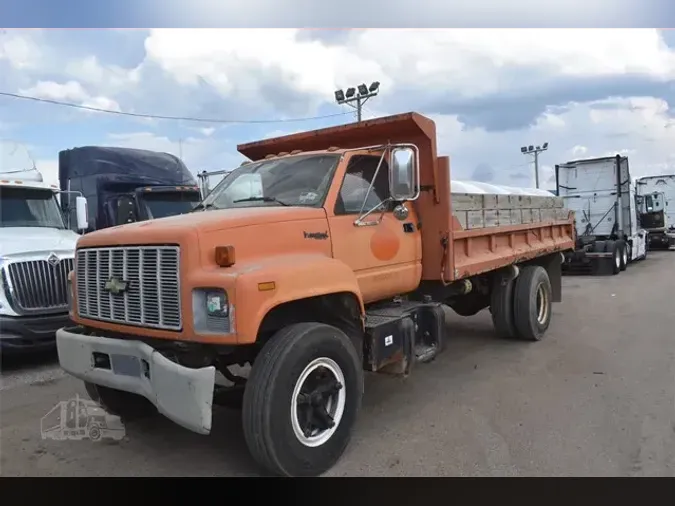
[501, 307]
[532, 306]
[126, 405]
[285, 406]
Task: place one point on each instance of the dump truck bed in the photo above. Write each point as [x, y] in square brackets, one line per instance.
[495, 226]
[452, 249]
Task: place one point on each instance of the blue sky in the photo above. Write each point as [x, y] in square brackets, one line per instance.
[586, 92]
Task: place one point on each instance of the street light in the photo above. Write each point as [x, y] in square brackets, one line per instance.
[356, 100]
[534, 151]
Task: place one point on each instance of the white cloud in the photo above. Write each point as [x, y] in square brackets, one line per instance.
[468, 62]
[430, 68]
[22, 53]
[71, 91]
[582, 131]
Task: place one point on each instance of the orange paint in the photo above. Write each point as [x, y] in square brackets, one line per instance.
[384, 243]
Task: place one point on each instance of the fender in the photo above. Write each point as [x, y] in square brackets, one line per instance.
[295, 277]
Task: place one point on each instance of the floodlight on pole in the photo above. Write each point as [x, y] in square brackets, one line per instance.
[534, 151]
[357, 100]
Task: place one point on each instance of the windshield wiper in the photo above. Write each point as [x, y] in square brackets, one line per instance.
[262, 199]
[202, 206]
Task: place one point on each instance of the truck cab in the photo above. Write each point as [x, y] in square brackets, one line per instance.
[36, 255]
[655, 199]
[126, 185]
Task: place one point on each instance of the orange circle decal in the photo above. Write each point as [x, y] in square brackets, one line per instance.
[384, 244]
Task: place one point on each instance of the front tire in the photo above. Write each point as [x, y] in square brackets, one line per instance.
[613, 248]
[532, 307]
[301, 400]
[623, 249]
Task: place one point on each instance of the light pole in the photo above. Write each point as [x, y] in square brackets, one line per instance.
[360, 95]
[534, 151]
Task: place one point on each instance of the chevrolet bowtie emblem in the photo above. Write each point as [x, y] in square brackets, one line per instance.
[116, 286]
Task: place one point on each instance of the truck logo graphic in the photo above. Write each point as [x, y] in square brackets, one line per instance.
[79, 418]
[53, 260]
[116, 286]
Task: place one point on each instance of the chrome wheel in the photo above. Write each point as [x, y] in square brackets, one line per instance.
[542, 304]
[318, 402]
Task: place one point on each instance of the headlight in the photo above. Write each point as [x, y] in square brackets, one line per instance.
[216, 304]
[211, 310]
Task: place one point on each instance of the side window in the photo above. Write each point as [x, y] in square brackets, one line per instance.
[359, 175]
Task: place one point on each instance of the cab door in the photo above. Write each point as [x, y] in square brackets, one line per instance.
[384, 251]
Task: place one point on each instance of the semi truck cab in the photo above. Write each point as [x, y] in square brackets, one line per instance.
[149, 202]
[125, 185]
[36, 255]
[654, 197]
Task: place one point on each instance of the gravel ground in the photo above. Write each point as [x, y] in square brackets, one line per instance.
[595, 398]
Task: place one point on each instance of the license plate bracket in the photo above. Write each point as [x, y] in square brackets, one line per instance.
[126, 365]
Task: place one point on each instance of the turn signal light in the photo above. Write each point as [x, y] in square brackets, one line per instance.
[225, 256]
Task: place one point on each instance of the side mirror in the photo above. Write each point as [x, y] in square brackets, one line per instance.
[403, 175]
[82, 213]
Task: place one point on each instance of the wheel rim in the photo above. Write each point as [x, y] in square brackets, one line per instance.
[625, 256]
[542, 304]
[617, 258]
[318, 402]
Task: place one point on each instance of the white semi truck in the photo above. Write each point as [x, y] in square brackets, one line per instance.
[656, 202]
[600, 193]
[36, 254]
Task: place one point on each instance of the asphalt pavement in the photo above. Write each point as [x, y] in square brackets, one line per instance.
[596, 397]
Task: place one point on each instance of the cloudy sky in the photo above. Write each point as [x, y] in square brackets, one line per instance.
[588, 92]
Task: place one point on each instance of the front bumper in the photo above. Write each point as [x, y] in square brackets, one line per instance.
[663, 239]
[24, 334]
[182, 394]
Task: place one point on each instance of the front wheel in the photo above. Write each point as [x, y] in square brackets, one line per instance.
[301, 400]
[623, 248]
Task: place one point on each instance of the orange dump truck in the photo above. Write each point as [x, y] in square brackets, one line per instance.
[329, 254]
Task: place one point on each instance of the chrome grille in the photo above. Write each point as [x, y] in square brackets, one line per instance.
[152, 295]
[37, 285]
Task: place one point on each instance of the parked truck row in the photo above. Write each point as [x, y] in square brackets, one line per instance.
[330, 253]
[617, 219]
[40, 224]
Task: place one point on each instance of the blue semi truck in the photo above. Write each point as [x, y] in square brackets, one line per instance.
[125, 185]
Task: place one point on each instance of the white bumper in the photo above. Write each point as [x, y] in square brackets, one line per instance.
[182, 394]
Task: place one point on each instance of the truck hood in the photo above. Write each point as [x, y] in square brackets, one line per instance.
[15, 241]
[183, 226]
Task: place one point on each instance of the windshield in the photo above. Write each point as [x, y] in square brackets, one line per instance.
[291, 181]
[163, 204]
[28, 207]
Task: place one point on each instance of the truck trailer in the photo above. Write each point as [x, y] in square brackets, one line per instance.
[600, 193]
[331, 254]
[656, 203]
